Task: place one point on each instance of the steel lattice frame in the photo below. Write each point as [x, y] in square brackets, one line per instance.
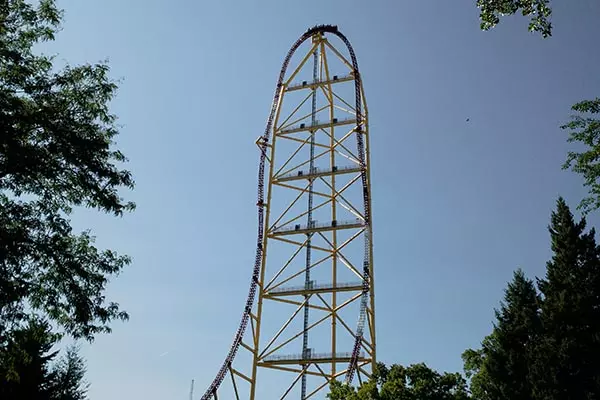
[342, 144]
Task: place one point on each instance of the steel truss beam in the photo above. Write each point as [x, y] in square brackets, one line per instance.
[338, 175]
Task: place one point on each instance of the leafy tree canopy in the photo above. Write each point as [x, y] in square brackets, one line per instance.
[56, 153]
[415, 382]
[538, 10]
[584, 129]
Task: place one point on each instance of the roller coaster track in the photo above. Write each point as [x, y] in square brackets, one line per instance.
[263, 144]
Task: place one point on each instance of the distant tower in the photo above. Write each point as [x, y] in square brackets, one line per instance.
[314, 318]
[192, 391]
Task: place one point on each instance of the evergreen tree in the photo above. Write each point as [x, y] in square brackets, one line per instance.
[567, 365]
[500, 369]
[24, 357]
[29, 368]
[67, 380]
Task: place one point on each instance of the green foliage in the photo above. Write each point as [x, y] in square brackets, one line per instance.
[546, 347]
[56, 153]
[476, 371]
[68, 377]
[25, 353]
[568, 352]
[539, 10]
[584, 129]
[28, 369]
[416, 382]
[500, 369]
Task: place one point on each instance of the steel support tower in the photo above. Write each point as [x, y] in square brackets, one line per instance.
[309, 318]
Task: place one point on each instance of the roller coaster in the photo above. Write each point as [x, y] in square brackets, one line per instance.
[313, 296]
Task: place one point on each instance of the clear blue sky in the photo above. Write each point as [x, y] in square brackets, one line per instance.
[457, 205]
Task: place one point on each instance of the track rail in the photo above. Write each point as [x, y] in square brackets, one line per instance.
[263, 143]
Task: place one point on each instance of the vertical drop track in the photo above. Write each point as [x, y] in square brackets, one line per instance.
[311, 164]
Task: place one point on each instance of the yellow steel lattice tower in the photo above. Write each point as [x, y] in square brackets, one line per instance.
[313, 320]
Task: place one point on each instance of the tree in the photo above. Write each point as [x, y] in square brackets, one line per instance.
[29, 368]
[68, 377]
[24, 358]
[56, 153]
[476, 371]
[585, 130]
[500, 369]
[568, 352]
[547, 346]
[416, 382]
[539, 10]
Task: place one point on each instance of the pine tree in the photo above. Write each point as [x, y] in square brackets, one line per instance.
[24, 356]
[67, 379]
[500, 369]
[29, 368]
[568, 353]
